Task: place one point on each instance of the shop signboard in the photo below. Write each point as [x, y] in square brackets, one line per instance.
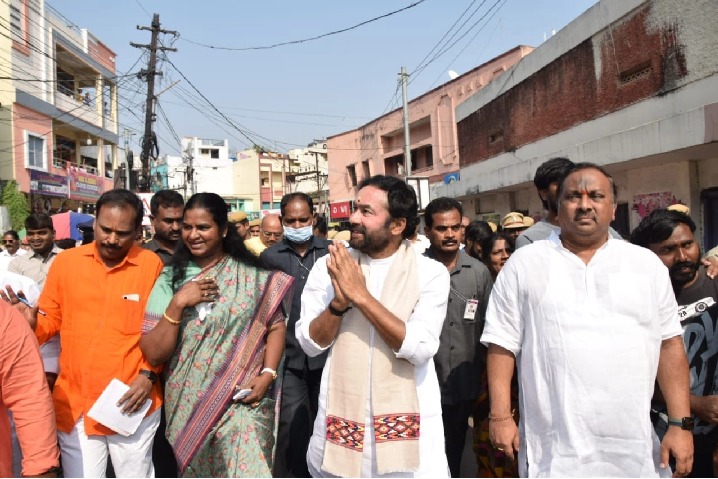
[341, 210]
[84, 186]
[47, 184]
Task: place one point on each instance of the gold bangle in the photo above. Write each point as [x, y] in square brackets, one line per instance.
[502, 418]
[171, 321]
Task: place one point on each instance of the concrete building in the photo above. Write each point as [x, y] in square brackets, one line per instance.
[308, 171]
[630, 85]
[211, 164]
[260, 180]
[378, 146]
[58, 121]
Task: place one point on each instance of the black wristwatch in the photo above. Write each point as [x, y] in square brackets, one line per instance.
[151, 375]
[685, 423]
[337, 312]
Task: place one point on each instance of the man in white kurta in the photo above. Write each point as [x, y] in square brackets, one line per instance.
[587, 341]
[587, 319]
[419, 347]
[337, 282]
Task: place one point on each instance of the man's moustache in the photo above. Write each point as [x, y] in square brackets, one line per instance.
[684, 264]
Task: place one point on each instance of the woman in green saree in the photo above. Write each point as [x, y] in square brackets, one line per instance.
[214, 319]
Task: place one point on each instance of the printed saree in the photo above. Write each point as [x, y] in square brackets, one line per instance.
[211, 435]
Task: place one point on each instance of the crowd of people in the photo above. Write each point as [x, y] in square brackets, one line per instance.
[260, 348]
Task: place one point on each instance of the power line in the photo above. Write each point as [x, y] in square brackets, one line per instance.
[294, 42]
[470, 41]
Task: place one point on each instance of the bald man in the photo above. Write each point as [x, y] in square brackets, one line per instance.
[270, 233]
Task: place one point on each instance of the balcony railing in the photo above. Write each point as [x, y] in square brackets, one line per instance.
[64, 164]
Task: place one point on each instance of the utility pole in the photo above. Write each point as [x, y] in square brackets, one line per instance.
[129, 157]
[189, 179]
[319, 188]
[407, 142]
[149, 140]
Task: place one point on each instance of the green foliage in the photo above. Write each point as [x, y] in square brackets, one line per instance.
[16, 203]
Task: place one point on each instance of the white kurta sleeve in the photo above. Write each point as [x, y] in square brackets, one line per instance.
[667, 305]
[423, 328]
[503, 326]
[318, 292]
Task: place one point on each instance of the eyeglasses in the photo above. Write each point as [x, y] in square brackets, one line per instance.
[269, 234]
[8, 241]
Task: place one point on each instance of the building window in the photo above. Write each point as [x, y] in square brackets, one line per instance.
[351, 170]
[35, 155]
[16, 23]
[365, 168]
[214, 154]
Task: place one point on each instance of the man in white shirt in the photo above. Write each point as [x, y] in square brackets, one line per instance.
[41, 236]
[379, 404]
[593, 323]
[11, 242]
[546, 179]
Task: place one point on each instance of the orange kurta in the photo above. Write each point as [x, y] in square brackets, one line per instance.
[23, 390]
[98, 312]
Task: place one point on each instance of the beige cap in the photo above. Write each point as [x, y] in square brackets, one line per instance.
[493, 226]
[680, 208]
[513, 220]
[237, 217]
[528, 221]
[257, 222]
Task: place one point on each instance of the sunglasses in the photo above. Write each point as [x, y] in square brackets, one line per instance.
[8, 241]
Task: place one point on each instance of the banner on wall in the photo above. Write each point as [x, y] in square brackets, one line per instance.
[42, 183]
[84, 186]
[645, 203]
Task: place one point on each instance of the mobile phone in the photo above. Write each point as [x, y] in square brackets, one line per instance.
[241, 394]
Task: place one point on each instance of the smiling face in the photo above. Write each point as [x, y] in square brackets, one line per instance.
[681, 255]
[40, 240]
[445, 232]
[373, 231]
[201, 235]
[586, 206]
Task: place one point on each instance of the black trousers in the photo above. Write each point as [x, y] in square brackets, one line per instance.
[456, 423]
[300, 401]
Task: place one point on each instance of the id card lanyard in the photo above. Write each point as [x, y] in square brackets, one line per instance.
[472, 305]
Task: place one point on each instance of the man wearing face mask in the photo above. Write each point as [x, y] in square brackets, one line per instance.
[295, 255]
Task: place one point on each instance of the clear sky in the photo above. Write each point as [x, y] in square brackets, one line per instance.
[285, 97]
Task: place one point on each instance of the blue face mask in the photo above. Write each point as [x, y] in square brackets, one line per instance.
[298, 235]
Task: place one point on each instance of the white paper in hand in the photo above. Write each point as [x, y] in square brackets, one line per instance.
[106, 412]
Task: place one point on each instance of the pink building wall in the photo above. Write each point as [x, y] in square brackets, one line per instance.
[372, 148]
[25, 119]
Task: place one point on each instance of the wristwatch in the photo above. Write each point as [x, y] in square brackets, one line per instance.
[685, 423]
[337, 312]
[151, 375]
[270, 371]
